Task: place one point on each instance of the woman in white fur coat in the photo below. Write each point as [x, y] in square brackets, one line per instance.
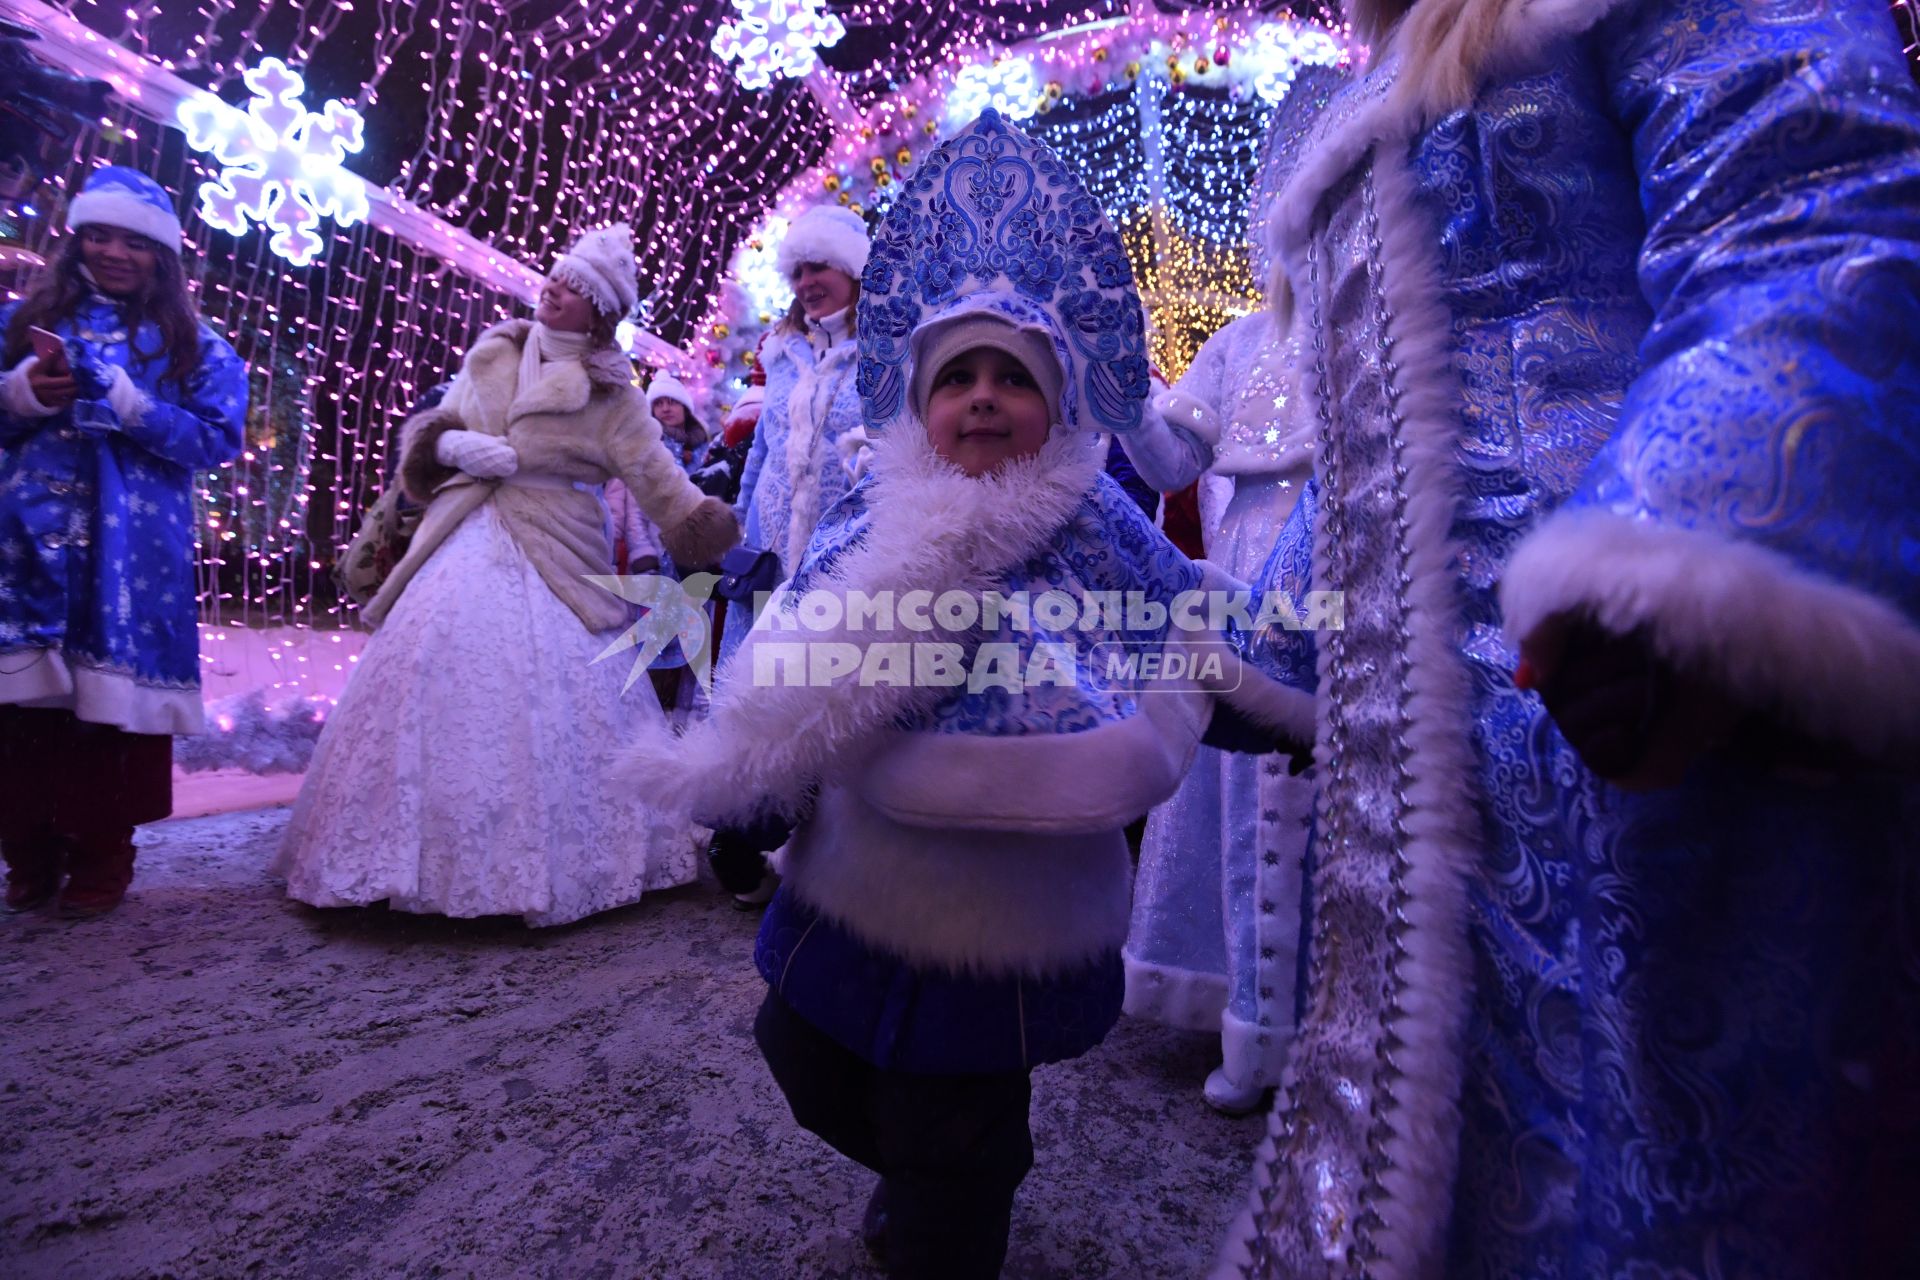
[797, 468]
[460, 773]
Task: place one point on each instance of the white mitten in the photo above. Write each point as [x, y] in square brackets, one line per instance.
[480, 456]
[1179, 409]
[856, 451]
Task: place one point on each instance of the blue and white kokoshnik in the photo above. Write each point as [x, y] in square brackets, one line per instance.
[993, 220]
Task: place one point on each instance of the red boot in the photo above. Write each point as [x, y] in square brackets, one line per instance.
[33, 870]
[98, 874]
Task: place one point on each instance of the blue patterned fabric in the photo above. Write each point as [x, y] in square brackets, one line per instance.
[1285, 654]
[96, 514]
[1681, 263]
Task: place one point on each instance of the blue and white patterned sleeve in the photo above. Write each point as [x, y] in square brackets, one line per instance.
[202, 427]
[1754, 509]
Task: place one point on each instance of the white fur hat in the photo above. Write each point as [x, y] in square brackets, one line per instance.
[667, 387]
[126, 198]
[600, 265]
[825, 233]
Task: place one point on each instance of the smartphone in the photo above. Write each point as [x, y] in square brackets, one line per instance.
[49, 347]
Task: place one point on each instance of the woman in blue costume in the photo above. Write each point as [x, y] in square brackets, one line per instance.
[799, 466]
[1205, 907]
[1613, 313]
[101, 434]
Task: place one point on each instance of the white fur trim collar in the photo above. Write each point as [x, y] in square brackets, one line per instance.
[808, 406]
[930, 528]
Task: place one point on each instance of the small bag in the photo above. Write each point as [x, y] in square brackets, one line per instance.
[746, 574]
[385, 533]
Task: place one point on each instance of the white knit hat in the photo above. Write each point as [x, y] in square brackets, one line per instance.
[827, 234]
[600, 265]
[936, 343]
[667, 387]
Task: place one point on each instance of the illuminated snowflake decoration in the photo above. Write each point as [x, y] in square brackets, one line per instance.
[776, 38]
[1280, 49]
[282, 163]
[1008, 85]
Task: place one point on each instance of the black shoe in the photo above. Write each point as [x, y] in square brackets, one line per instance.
[762, 894]
[873, 1223]
[738, 864]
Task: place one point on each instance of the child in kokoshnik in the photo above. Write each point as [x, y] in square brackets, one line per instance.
[956, 887]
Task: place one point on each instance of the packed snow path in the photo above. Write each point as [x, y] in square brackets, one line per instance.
[216, 1082]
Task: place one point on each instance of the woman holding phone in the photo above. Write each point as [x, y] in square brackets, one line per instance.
[114, 395]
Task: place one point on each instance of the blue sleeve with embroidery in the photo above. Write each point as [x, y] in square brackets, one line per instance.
[201, 426]
[1778, 149]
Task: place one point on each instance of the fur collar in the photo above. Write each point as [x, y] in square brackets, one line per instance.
[606, 369]
[488, 396]
[929, 528]
[807, 413]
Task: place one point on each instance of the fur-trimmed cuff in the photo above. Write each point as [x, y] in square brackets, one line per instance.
[1841, 663]
[16, 393]
[709, 532]
[1287, 713]
[421, 471]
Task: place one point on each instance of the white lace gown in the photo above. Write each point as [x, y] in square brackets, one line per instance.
[462, 773]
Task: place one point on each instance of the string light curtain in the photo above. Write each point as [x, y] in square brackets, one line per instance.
[525, 121]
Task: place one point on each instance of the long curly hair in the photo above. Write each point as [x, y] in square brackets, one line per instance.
[1372, 19]
[59, 291]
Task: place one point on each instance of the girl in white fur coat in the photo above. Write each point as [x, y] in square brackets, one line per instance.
[460, 774]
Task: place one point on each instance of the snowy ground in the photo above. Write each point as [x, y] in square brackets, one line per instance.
[215, 1082]
[286, 662]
